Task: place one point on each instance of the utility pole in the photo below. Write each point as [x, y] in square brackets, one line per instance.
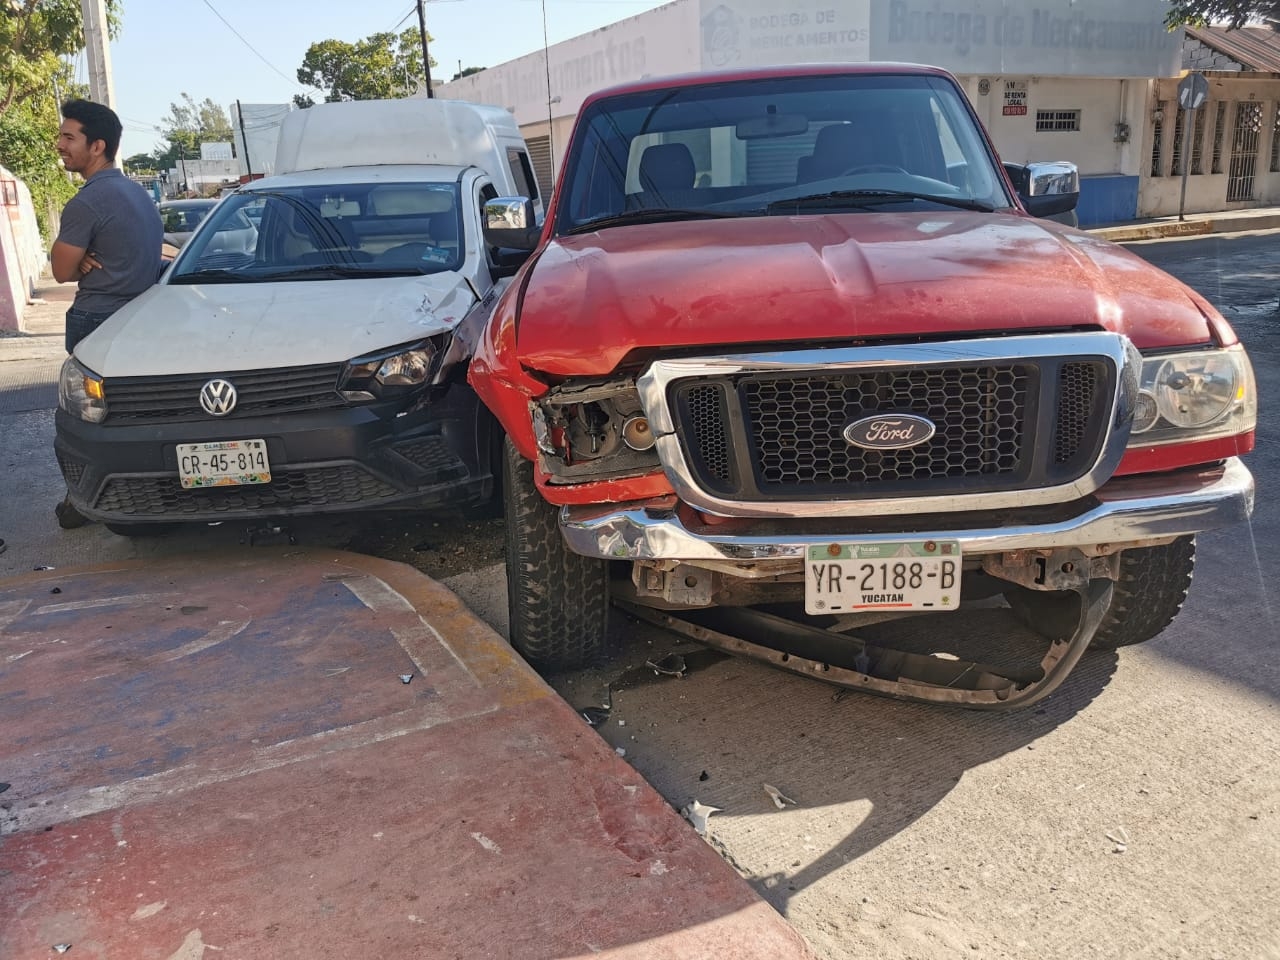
[101, 87]
[426, 57]
[244, 139]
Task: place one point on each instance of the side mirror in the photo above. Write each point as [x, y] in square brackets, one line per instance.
[510, 222]
[1046, 189]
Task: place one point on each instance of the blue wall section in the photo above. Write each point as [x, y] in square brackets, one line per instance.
[1107, 199]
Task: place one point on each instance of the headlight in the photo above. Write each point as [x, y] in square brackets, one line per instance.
[388, 375]
[80, 392]
[1195, 395]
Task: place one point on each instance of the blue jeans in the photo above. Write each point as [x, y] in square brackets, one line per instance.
[81, 323]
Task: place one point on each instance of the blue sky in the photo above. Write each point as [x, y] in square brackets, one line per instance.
[168, 47]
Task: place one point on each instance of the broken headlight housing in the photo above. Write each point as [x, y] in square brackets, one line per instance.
[1194, 395]
[593, 431]
[81, 393]
[389, 374]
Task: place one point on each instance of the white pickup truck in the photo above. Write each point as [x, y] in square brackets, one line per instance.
[321, 366]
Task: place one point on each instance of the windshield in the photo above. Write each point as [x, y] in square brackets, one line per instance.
[326, 232]
[185, 218]
[777, 146]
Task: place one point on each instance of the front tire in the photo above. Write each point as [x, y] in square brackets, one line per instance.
[558, 601]
[1152, 587]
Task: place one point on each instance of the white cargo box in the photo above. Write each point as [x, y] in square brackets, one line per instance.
[417, 130]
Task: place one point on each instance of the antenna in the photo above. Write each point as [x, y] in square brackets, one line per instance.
[551, 132]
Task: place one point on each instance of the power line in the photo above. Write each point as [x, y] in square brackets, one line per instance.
[292, 80]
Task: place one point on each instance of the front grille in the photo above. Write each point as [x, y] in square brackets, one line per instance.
[176, 398]
[1078, 384]
[72, 470]
[345, 484]
[1000, 425]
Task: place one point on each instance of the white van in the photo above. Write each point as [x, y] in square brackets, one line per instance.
[320, 367]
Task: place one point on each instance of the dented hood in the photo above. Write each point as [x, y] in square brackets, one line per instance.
[198, 328]
[741, 283]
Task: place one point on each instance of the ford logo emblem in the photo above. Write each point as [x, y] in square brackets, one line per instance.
[889, 431]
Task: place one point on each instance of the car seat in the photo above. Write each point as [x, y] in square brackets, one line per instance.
[666, 174]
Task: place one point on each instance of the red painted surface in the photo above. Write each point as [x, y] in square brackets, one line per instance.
[747, 284]
[218, 758]
[1157, 459]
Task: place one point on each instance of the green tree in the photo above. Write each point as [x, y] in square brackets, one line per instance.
[382, 66]
[187, 125]
[34, 37]
[466, 73]
[1234, 13]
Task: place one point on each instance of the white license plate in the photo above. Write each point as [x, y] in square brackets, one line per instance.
[867, 577]
[223, 463]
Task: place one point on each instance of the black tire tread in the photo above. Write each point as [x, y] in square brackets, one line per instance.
[558, 601]
[1153, 584]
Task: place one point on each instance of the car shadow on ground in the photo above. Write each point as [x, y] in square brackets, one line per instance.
[860, 768]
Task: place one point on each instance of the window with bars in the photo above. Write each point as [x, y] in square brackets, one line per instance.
[1051, 121]
[1219, 134]
[1197, 142]
[1179, 134]
[1157, 137]
[1275, 139]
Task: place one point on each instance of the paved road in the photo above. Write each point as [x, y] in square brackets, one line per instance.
[923, 832]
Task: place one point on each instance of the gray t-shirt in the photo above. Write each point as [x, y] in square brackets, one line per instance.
[115, 220]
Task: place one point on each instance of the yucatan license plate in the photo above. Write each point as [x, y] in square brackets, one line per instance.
[223, 463]
[902, 575]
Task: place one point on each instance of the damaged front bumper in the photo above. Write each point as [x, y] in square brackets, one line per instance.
[1126, 511]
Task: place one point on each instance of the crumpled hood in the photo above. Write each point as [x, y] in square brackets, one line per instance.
[223, 327]
[735, 283]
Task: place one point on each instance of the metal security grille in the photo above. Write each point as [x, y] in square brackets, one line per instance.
[1219, 134]
[1275, 140]
[999, 426]
[343, 484]
[1157, 138]
[1197, 142]
[540, 157]
[1050, 121]
[176, 398]
[1179, 134]
[1244, 150]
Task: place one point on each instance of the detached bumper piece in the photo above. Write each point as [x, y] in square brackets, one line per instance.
[851, 663]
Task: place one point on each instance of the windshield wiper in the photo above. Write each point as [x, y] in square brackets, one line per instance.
[870, 198]
[212, 276]
[337, 271]
[648, 215]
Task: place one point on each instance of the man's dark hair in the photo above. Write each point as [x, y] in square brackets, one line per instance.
[98, 123]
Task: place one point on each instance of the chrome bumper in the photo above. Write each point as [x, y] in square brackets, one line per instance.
[1125, 510]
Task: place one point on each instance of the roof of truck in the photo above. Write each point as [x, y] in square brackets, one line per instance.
[764, 73]
[412, 130]
[382, 173]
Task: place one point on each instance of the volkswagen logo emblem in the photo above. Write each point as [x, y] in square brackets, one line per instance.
[889, 431]
[218, 397]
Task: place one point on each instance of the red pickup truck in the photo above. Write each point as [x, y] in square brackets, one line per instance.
[796, 339]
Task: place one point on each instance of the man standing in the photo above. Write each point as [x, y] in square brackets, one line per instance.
[111, 232]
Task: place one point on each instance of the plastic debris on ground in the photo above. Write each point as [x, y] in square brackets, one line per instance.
[406, 677]
[779, 799]
[672, 665]
[1120, 838]
[594, 716]
[61, 947]
[697, 814]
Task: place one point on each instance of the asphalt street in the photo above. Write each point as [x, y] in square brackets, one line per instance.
[1135, 814]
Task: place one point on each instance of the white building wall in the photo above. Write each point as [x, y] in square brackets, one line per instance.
[1091, 55]
[1208, 189]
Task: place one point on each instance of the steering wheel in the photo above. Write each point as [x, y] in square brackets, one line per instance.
[874, 168]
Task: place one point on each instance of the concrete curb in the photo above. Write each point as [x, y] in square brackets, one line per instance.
[1200, 226]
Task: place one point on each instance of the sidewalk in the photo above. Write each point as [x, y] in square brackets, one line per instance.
[312, 754]
[1195, 224]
